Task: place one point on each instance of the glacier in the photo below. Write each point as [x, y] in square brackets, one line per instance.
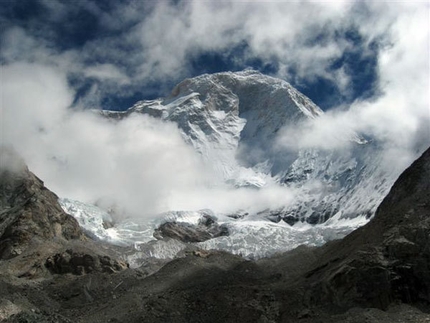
[233, 121]
[250, 237]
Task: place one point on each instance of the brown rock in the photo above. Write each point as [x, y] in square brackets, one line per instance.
[207, 229]
[80, 263]
[29, 210]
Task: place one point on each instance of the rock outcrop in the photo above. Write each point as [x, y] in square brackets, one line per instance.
[80, 263]
[36, 234]
[28, 209]
[206, 229]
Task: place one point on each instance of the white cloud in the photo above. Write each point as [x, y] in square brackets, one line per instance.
[152, 42]
[329, 132]
[136, 162]
[272, 29]
[141, 164]
[106, 72]
[398, 119]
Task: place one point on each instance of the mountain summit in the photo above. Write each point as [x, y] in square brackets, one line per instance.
[233, 121]
[230, 118]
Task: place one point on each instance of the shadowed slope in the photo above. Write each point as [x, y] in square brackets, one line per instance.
[28, 209]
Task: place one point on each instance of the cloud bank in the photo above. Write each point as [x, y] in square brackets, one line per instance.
[137, 162]
[140, 165]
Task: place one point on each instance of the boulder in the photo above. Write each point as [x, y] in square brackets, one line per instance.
[206, 229]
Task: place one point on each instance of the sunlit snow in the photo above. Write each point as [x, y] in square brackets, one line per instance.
[250, 238]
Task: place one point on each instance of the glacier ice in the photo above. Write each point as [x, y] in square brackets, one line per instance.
[250, 237]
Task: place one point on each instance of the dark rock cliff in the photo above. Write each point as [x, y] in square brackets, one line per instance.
[388, 260]
[28, 209]
[36, 235]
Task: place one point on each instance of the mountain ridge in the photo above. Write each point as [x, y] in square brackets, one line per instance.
[233, 119]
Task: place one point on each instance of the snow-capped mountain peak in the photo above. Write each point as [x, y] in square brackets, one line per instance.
[229, 118]
[233, 119]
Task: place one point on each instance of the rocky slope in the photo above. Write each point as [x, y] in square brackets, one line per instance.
[387, 260]
[37, 239]
[379, 273]
[29, 211]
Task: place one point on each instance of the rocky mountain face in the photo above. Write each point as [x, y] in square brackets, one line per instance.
[388, 259]
[37, 238]
[233, 121]
[29, 210]
[378, 273]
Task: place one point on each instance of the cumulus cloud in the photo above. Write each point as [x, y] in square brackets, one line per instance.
[141, 43]
[399, 118]
[136, 162]
[273, 30]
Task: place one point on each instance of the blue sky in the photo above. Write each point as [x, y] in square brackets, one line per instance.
[141, 49]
